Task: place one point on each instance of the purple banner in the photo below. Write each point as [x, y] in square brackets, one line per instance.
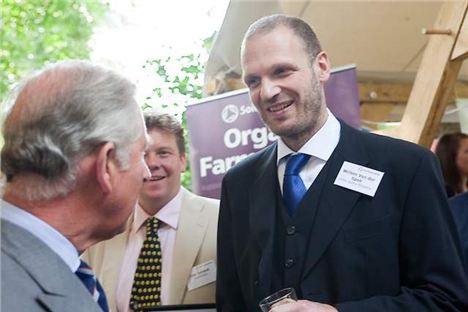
[226, 128]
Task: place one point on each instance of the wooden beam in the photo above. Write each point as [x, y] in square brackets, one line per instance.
[386, 101]
[389, 92]
[461, 46]
[435, 79]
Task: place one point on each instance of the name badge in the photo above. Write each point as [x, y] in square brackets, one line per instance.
[202, 275]
[359, 178]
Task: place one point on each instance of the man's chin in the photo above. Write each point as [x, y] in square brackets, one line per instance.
[151, 193]
[284, 130]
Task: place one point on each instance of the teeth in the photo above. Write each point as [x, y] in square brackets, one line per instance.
[154, 179]
[279, 107]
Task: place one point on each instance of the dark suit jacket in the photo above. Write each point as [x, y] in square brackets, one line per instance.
[459, 205]
[396, 251]
[34, 278]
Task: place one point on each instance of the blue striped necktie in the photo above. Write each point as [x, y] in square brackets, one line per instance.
[87, 277]
[293, 186]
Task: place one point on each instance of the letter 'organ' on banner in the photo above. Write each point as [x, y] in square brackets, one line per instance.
[226, 128]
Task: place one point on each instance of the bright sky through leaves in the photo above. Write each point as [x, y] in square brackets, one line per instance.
[139, 30]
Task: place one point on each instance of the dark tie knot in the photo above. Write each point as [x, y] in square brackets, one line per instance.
[152, 225]
[295, 163]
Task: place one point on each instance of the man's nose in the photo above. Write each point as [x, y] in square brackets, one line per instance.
[269, 89]
[152, 160]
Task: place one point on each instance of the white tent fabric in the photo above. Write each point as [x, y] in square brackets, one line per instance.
[383, 38]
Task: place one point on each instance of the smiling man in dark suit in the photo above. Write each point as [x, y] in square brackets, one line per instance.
[352, 221]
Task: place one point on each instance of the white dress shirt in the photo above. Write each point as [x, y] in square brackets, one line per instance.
[319, 147]
[50, 236]
[168, 217]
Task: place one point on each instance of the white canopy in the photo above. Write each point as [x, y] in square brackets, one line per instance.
[383, 38]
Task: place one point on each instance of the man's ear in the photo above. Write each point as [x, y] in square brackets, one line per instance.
[106, 166]
[322, 66]
[183, 161]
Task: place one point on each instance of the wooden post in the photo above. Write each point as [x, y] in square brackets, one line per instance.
[461, 46]
[436, 76]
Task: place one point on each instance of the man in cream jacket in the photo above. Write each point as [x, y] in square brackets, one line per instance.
[187, 229]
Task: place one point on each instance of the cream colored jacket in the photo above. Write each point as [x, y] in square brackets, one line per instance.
[195, 244]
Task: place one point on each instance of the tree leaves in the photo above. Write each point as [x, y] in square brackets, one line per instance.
[34, 33]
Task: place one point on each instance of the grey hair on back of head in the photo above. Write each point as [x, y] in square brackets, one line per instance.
[60, 115]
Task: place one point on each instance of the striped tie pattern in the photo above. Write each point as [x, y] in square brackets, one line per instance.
[87, 277]
[146, 288]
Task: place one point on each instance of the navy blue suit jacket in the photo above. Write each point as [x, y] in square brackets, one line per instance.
[459, 205]
[396, 251]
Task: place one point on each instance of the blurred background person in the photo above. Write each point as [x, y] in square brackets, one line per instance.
[73, 162]
[452, 151]
[184, 240]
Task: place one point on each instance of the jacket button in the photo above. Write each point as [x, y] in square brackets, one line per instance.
[291, 230]
[289, 263]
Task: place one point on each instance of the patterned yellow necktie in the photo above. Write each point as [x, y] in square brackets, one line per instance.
[146, 288]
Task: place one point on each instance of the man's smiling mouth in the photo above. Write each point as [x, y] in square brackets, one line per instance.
[153, 178]
[279, 107]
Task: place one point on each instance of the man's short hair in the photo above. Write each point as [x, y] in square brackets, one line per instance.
[299, 27]
[61, 114]
[167, 123]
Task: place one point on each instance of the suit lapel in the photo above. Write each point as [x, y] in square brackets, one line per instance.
[193, 224]
[59, 303]
[336, 203]
[43, 265]
[36, 257]
[262, 215]
[54, 302]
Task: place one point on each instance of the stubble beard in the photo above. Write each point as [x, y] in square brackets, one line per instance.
[308, 120]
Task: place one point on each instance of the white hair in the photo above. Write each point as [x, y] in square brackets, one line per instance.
[59, 115]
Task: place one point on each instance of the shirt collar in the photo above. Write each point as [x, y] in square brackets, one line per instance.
[42, 230]
[321, 145]
[169, 214]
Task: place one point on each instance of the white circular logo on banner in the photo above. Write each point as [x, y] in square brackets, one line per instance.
[230, 113]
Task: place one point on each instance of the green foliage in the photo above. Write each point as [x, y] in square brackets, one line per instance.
[36, 32]
[179, 82]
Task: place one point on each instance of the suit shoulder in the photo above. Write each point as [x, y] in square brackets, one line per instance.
[382, 140]
[22, 289]
[252, 162]
[390, 147]
[209, 203]
[459, 203]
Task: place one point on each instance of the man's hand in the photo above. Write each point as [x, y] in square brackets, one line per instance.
[302, 306]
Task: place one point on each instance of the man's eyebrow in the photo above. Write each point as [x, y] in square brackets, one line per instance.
[283, 64]
[247, 77]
